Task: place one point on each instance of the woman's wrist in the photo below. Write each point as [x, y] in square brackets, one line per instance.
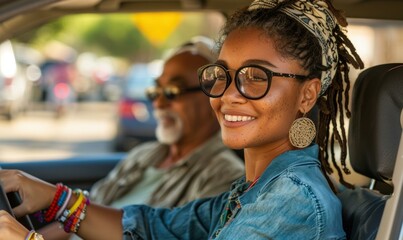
[67, 206]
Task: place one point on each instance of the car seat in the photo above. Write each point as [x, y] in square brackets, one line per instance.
[375, 133]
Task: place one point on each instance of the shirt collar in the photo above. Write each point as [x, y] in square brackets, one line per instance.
[284, 161]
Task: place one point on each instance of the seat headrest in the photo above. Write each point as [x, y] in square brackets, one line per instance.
[375, 130]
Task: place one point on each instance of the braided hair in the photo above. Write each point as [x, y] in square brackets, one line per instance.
[292, 40]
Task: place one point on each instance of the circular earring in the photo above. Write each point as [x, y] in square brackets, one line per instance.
[302, 132]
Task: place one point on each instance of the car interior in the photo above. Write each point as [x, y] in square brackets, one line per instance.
[375, 130]
[377, 95]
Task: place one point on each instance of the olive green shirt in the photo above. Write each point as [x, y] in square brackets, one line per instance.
[207, 171]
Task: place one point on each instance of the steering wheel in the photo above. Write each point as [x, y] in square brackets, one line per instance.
[4, 203]
[9, 200]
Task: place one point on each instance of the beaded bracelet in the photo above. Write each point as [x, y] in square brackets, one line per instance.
[59, 213]
[51, 209]
[71, 218]
[68, 212]
[48, 214]
[72, 223]
[79, 216]
[57, 203]
[80, 198]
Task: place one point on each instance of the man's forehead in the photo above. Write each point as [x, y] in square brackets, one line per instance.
[177, 80]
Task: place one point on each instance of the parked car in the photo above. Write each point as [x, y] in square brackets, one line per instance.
[112, 88]
[135, 120]
[379, 24]
[56, 83]
[15, 87]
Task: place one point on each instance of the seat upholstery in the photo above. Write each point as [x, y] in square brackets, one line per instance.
[373, 132]
[362, 212]
[374, 136]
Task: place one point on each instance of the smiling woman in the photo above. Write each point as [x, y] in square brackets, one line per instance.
[111, 36]
[290, 78]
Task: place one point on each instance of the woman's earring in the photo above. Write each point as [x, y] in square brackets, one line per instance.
[302, 132]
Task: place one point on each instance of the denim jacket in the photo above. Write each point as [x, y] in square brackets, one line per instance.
[291, 200]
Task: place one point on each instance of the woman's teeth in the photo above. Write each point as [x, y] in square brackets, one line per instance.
[234, 118]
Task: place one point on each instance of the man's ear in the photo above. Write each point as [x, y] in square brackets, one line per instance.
[310, 93]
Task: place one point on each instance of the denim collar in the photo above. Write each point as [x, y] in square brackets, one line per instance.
[290, 159]
[287, 160]
[240, 195]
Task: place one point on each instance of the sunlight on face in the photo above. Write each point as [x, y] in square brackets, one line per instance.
[264, 122]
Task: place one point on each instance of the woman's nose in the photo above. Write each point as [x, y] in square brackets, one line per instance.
[232, 94]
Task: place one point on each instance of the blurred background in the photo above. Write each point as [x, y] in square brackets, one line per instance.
[76, 85]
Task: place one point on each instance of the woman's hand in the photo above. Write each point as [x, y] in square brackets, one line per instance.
[11, 228]
[100, 222]
[35, 194]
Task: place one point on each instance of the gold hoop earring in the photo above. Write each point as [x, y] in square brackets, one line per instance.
[302, 132]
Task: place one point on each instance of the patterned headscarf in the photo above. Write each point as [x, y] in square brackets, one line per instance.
[315, 16]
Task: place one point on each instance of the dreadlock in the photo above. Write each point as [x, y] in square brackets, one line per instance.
[332, 108]
[294, 41]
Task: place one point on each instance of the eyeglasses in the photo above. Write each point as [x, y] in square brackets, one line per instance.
[252, 81]
[169, 92]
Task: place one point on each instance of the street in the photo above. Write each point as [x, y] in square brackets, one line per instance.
[87, 128]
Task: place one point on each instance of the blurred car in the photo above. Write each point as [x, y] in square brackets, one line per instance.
[15, 88]
[112, 88]
[136, 122]
[57, 86]
[376, 17]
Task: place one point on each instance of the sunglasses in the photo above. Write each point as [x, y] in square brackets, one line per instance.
[169, 92]
[252, 81]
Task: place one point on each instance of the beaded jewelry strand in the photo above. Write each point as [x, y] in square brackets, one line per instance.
[69, 218]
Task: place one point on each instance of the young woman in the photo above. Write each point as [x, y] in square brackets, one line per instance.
[277, 60]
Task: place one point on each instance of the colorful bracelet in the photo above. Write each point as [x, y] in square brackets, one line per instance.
[63, 207]
[78, 202]
[67, 212]
[71, 218]
[79, 216]
[46, 215]
[59, 190]
[57, 202]
[70, 223]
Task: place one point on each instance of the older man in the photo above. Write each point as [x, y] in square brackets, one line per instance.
[189, 160]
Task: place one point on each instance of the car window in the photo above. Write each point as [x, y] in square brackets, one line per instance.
[139, 77]
[377, 41]
[7, 61]
[87, 74]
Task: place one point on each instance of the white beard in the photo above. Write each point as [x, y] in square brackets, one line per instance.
[171, 133]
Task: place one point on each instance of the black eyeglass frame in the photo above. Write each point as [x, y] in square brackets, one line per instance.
[268, 72]
[172, 94]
